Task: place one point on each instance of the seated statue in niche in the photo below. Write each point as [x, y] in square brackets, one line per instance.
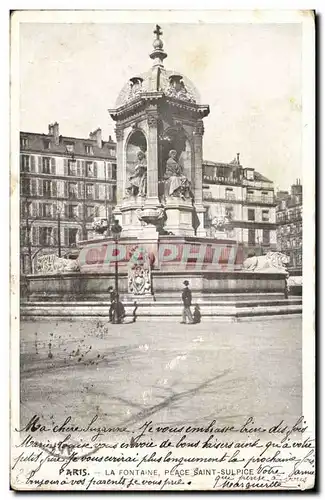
[176, 183]
[138, 181]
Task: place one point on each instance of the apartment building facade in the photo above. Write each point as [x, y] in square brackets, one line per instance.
[65, 182]
[289, 224]
[246, 199]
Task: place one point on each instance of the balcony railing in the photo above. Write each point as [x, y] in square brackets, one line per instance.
[221, 180]
[229, 198]
[288, 220]
[260, 200]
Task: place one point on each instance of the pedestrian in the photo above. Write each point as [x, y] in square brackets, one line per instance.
[286, 286]
[197, 314]
[112, 296]
[187, 301]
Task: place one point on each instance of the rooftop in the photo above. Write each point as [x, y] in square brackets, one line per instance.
[58, 144]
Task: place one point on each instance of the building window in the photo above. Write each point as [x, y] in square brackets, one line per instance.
[250, 175]
[251, 236]
[47, 188]
[265, 216]
[265, 196]
[24, 236]
[251, 214]
[266, 237]
[112, 152]
[90, 171]
[26, 209]
[45, 235]
[73, 190]
[207, 195]
[69, 147]
[47, 144]
[26, 187]
[25, 163]
[72, 236]
[90, 212]
[46, 210]
[46, 165]
[23, 142]
[250, 195]
[230, 194]
[72, 211]
[72, 167]
[114, 171]
[88, 149]
[90, 191]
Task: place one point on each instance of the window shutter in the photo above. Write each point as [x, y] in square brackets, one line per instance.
[96, 191]
[53, 166]
[54, 211]
[34, 187]
[40, 187]
[55, 236]
[65, 166]
[78, 168]
[66, 210]
[83, 172]
[32, 164]
[34, 209]
[80, 211]
[40, 164]
[66, 236]
[33, 231]
[109, 170]
[54, 189]
[66, 193]
[95, 168]
[110, 192]
[80, 191]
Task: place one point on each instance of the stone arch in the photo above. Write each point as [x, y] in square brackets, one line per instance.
[136, 141]
[176, 137]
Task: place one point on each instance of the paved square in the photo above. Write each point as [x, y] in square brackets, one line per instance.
[162, 371]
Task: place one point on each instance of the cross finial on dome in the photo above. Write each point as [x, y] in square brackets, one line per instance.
[158, 31]
[158, 54]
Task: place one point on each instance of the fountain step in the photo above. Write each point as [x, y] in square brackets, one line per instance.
[161, 309]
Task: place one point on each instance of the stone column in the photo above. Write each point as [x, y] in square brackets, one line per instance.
[198, 138]
[152, 161]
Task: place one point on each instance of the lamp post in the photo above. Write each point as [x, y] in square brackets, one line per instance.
[116, 230]
[59, 233]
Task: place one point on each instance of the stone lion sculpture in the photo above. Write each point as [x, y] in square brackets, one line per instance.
[272, 262]
[52, 264]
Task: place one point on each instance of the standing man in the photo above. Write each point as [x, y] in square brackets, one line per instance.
[187, 301]
[112, 296]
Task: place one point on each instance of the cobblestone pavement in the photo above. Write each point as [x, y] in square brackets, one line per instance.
[162, 371]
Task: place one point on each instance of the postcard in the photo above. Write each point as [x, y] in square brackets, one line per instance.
[162, 250]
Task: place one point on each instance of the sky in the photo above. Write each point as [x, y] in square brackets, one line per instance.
[249, 74]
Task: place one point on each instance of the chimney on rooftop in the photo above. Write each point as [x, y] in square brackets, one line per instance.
[97, 136]
[54, 131]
